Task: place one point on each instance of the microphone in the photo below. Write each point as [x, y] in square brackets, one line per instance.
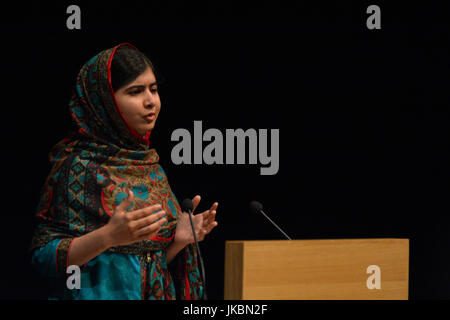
[187, 206]
[256, 207]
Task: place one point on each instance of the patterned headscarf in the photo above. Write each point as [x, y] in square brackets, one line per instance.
[93, 167]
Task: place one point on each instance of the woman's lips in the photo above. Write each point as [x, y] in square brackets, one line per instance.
[150, 117]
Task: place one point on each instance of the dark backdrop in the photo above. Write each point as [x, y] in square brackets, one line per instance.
[363, 118]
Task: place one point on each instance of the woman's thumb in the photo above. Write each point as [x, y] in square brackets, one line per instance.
[126, 201]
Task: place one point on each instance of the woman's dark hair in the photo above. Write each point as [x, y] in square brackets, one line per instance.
[127, 65]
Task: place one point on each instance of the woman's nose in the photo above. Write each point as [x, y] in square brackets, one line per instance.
[149, 99]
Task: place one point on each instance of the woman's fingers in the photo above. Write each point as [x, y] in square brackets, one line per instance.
[213, 207]
[208, 218]
[144, 212]
[195, 202]
[150, 229]
[210, 214]
[209, 227]
[206, 230]
[198, 221]
[126, 202]
[147, 220]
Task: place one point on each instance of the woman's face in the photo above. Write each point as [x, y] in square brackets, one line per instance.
[139, 102]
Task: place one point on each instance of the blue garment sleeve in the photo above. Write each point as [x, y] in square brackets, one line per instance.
[43, 259]
[108, 276]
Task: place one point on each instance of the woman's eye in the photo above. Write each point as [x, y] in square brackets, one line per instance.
[136, 92]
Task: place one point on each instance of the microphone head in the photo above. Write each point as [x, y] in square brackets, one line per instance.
[255, 206]
[187, 205]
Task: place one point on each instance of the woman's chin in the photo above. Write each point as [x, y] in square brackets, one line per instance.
[143, 132]
[145, 128]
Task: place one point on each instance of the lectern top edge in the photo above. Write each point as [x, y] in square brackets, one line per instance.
[315, 240]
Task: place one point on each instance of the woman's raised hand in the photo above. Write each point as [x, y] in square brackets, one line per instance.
[203, 224]
[128, 227]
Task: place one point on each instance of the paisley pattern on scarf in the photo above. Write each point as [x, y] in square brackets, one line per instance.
[91, 170]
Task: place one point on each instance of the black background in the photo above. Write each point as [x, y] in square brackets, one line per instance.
[363, 118]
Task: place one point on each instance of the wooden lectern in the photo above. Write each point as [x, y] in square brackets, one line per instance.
[340, 269]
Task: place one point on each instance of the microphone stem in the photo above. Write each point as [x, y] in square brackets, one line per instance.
[276, 225]
[202, 268]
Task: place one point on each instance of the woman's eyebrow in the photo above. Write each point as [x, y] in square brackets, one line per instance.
[140, 86]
